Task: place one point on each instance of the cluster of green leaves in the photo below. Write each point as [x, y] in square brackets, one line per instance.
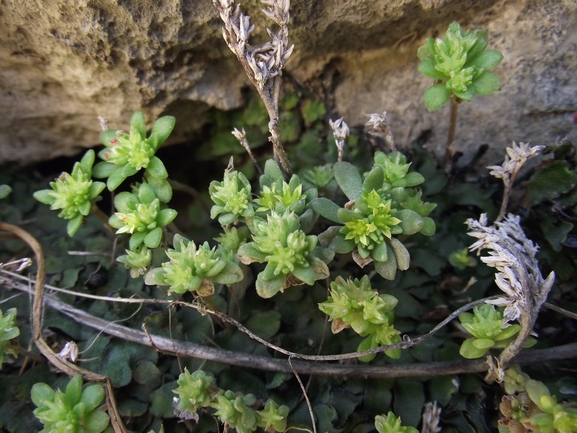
[384, 204]
[234, 410]
[528, 406]
[74, 410]
[141, 213]
[194, 269]
[489, 331]
[8, 332]
[392, 424]
[73, 193]
[459, 63]
[279, 220]
[354, 304]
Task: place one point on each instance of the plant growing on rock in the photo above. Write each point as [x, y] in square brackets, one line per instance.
[272, 239]
[459, 63]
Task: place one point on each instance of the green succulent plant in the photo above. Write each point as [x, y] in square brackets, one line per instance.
[126, 154]
[354, 304]
[137, 260]
[8, 332]
[193, 390]
[380, 206]
[237, 411]
[529, 406]
[392, 424]
[459, 63]
[231, 197]
[75, 410]
[291, 257]
[194, 268]
[74, 193]
[142, 215]
[489, 331]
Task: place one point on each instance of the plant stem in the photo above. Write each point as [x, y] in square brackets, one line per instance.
[452, 128]
[95, 210]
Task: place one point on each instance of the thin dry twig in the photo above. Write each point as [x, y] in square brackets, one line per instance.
[192, 350]
[310, 407]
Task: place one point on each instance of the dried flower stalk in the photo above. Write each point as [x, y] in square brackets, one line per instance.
[518, 276]
[263, 64]
[379, 126]
[516, 156]
[341, 132]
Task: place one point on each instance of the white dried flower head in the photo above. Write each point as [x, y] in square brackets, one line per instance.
[431, 418]
[379, 123]
[514, 257]
[516, 156]
[340, 129]
[70, 351]
[239, 135]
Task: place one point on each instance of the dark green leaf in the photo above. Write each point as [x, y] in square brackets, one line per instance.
[348, 179]
[551, 181]
[265, 324]
[326, 208]
[408, 401]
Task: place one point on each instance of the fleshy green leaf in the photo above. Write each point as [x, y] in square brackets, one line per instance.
[427, 68]
[103, 169]
[348, 179]
[486, 83]
[268, 288]
[166, 216]
[96, 421]
[326, 208]
[92, 396]
[74, 224]
[486, 60]
[436, 96]
[153, 238]
[156, 168]
[74, 390]
[155, 277]
[161, 130]
[138, 124]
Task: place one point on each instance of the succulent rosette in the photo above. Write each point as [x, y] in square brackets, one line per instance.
[231, 197]
[459, 63]
[194, 268]
[381, 205]
[126, 154]
[489, 331]
[291, 257]
[354, 304]
[142, 215]
[73, 193]
[75, 410]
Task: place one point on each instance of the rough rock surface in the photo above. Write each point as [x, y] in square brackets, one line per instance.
[63, 63]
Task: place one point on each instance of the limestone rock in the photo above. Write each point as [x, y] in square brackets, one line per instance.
[64, 63]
